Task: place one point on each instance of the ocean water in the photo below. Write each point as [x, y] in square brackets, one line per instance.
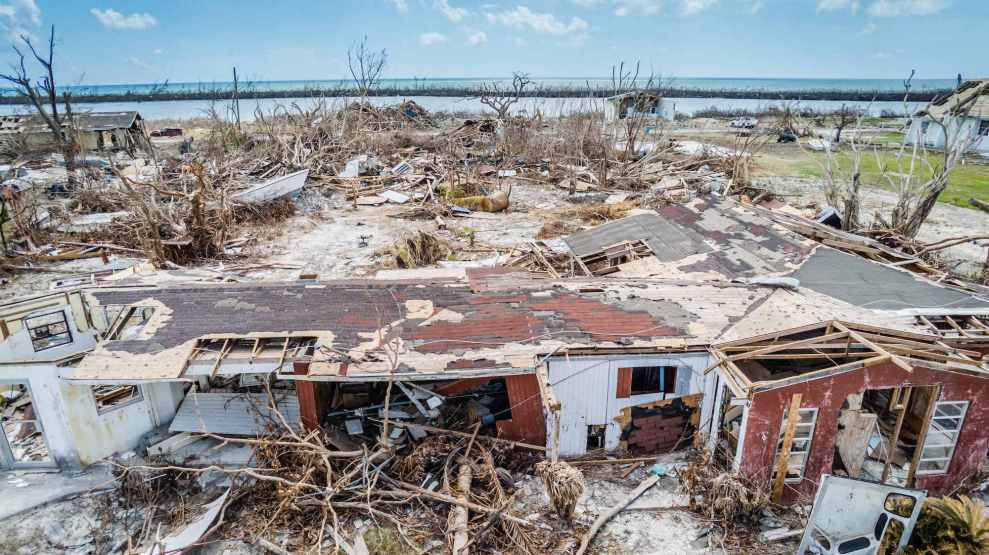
[552, 107]
[704, 83]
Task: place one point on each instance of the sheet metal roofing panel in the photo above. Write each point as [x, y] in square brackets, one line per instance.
[238, 414]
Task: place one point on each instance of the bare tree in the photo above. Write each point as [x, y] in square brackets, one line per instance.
[501, 99]
[366, 66]
[44, 97]
[646, 105]
[845, 116]
[919, 176]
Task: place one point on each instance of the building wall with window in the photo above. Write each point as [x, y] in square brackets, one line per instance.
[765, 419]
[77, 429]
[593, 390]
[924, 131]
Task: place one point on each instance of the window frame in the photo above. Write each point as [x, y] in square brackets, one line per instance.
[120, 322]
[952, 446]
[805, 452]
[101, 410]
[664, 372]
[67, 333]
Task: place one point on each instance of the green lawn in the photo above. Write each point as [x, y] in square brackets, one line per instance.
[967, 181]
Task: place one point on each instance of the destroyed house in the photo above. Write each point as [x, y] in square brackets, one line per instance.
[960, 116]
[840, 398]
[633, 104]
[94, 131]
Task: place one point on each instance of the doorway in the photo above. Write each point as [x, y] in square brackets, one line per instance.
[23, 443]
[879, 432]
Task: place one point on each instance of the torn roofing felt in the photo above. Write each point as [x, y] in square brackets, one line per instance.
[431, 327]
[707, 238]
[869, 284]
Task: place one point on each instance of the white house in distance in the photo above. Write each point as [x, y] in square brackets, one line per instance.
[965, 115]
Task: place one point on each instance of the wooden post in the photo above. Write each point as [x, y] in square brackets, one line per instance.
[905, 397]
[928, 415]
[458, 525]
[793, 417]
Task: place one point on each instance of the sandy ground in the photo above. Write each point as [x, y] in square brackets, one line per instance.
[328, 241]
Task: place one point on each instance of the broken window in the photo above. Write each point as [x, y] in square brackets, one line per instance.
[595, 437]
[800, 448]
[111, 397]
[48, 330]
[942, 436]
[646, 380]
[130, 323]
[984, 128]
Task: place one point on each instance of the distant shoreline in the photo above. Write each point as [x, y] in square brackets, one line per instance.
[454, 91]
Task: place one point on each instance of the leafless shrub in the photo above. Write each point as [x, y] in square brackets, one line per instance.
[501, 98]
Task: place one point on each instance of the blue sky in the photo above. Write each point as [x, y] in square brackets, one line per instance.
[142, 41]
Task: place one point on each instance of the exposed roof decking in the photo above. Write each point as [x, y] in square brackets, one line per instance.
[827, 348]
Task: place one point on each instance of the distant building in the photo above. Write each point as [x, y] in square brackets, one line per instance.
[634, 103]
[964, 114]
[96, 131]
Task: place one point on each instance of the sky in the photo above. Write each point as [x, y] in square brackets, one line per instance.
[147, 41]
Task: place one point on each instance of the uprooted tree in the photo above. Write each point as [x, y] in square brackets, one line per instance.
[501, 98]
[44, 97]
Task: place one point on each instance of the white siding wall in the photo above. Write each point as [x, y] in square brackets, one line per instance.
[934, 137]
[587, 389]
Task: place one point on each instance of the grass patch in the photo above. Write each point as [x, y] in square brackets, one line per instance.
[965, 182]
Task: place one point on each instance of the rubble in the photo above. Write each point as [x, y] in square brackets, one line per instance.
[561, 322]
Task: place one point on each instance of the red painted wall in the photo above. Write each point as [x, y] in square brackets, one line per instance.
[828, 394]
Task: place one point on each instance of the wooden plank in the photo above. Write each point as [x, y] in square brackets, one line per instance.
[790, 345]
[817, 374]
[925, 425]
[896, 431]
[793, 416]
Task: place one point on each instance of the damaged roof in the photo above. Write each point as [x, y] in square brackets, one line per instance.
[971, 98]
[876, 286]
[433, 327]
[708, 238]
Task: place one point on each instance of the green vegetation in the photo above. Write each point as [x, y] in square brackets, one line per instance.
[965, 182]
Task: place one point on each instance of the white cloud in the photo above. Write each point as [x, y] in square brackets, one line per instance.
[138, 62]
[882, 55]
[835, 5]
[31, 9]
[454, 14]
[158, 51]
[524, 18]
[400, 5]
[429, 39]
[894, 8]
[112, 19]
[477, 39]
[638, 7]
[694, 7]
[755, 6]
[868, 29]
[18, 17]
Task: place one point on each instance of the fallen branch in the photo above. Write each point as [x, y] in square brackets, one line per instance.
[601, 520]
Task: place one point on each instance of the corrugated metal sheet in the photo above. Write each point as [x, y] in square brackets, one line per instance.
[240, 414]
